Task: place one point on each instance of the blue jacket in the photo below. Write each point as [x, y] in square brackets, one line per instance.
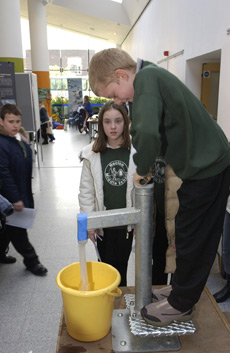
[89, 108]
[43, 115]
[6, 208]
[16, 169]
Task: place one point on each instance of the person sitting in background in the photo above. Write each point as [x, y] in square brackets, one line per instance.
[49, 131]
[16, 176]
[88, 108]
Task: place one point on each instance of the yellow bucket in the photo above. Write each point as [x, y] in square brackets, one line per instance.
[88, 314]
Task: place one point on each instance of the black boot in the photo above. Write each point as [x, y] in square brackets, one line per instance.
[7, 259]
[38, 269]
[224, 293]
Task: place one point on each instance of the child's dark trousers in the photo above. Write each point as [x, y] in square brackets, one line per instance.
[19, 238]
[115, 248]
[199, 225]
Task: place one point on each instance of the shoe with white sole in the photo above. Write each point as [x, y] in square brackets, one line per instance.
[163, 314]
[161, 293]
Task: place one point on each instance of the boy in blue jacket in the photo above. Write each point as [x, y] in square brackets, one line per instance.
[169, 121]
[16, 175]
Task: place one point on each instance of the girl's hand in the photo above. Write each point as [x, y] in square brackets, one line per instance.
[94, 235]
[142, 180]
[91, 235]
[18, 206]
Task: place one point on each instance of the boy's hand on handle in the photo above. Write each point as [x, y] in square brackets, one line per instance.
[18, 206]
[141, 180]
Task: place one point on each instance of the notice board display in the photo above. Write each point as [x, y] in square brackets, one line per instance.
[75, 95]
[27, 100]
[7, 83]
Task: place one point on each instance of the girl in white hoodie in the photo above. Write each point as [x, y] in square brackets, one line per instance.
[107, 183]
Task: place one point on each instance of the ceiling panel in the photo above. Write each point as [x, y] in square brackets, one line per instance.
[102, 19]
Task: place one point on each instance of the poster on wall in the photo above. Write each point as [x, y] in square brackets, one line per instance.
[7, 83]
[75, 95]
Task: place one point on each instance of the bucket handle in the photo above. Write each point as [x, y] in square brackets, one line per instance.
[115, 294]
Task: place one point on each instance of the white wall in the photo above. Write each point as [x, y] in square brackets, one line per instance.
[199, 28]
[133, 8]
[224, 99]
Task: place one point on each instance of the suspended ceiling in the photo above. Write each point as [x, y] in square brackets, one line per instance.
[103, 19]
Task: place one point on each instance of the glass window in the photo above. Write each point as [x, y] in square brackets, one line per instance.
[58, 83]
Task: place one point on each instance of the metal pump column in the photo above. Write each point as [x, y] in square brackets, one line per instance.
[143, 251]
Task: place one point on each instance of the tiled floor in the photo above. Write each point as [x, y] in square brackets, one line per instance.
[30, 306]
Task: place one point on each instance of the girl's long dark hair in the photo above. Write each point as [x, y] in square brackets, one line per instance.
[100, 143]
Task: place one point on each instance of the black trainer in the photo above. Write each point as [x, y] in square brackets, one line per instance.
[7, 259]
[223, 294]
[38, 269]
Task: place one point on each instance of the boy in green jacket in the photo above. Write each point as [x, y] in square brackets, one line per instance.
[169, 121]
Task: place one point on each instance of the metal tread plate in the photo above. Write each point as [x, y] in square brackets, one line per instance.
[123, 341]
[139, 327]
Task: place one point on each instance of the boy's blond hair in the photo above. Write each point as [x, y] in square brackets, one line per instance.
[104, 64]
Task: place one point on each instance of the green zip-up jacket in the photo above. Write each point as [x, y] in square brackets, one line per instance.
[168, 120]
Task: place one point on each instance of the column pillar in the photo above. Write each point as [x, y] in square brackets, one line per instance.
[39, 49]
[11, 37]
